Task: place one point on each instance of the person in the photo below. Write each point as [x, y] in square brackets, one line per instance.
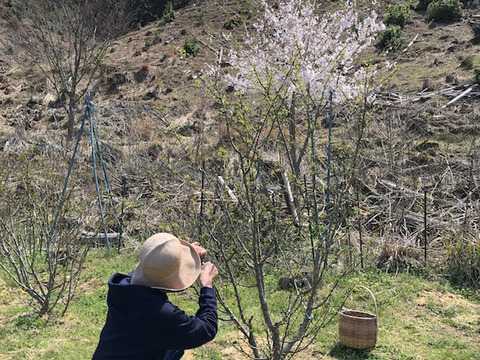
[141, 323]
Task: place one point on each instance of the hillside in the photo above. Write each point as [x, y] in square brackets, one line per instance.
[149, 88]
[155, 73]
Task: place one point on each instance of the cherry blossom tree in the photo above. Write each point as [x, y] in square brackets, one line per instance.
[292, 64]
[294, 48]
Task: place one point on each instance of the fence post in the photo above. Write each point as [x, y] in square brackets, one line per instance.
[425, 225]
[310, 227]
[360, 229]
[124, 194]
[201, 201]
[315, 204]
[329, 160]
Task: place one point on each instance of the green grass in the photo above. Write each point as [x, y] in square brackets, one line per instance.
[418, 319]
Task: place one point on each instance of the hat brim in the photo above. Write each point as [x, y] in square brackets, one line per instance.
[188, 272]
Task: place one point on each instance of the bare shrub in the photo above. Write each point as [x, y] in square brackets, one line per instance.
[41, 249]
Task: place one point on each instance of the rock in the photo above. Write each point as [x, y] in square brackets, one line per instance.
[119, 79]
[426, 85]
[32, 103]
[56, 118]
[37, 115]
[302, 280]
[190, 129]
[150, 95]
[451, 79]
[112, 89]
[141, 74]
[452, 48]
[116, 80]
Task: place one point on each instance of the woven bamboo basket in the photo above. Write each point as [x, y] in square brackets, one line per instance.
[359, 329]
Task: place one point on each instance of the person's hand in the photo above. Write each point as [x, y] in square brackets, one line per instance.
[207, 274]
[200, 250]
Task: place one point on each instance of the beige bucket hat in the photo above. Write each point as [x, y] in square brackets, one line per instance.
[167, 263]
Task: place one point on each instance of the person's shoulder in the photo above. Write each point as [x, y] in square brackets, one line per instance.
[120, 279]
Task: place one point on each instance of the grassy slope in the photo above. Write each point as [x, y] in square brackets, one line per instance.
[419, 319]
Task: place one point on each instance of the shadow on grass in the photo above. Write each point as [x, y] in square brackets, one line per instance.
[29, 321]
[340, 351]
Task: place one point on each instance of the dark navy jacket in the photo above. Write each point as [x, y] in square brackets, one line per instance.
[143, 324]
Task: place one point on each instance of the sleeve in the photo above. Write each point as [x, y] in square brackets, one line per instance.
[187, 332]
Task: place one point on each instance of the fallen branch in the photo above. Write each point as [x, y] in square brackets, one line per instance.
[411, 43]
[465, 93]
[94, 235]
[208, 46]
[289, 198]
[394, 187]
[224, 186]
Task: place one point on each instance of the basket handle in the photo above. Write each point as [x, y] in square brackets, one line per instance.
[371, 293]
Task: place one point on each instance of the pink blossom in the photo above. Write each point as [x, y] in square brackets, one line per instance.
[293, 48]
